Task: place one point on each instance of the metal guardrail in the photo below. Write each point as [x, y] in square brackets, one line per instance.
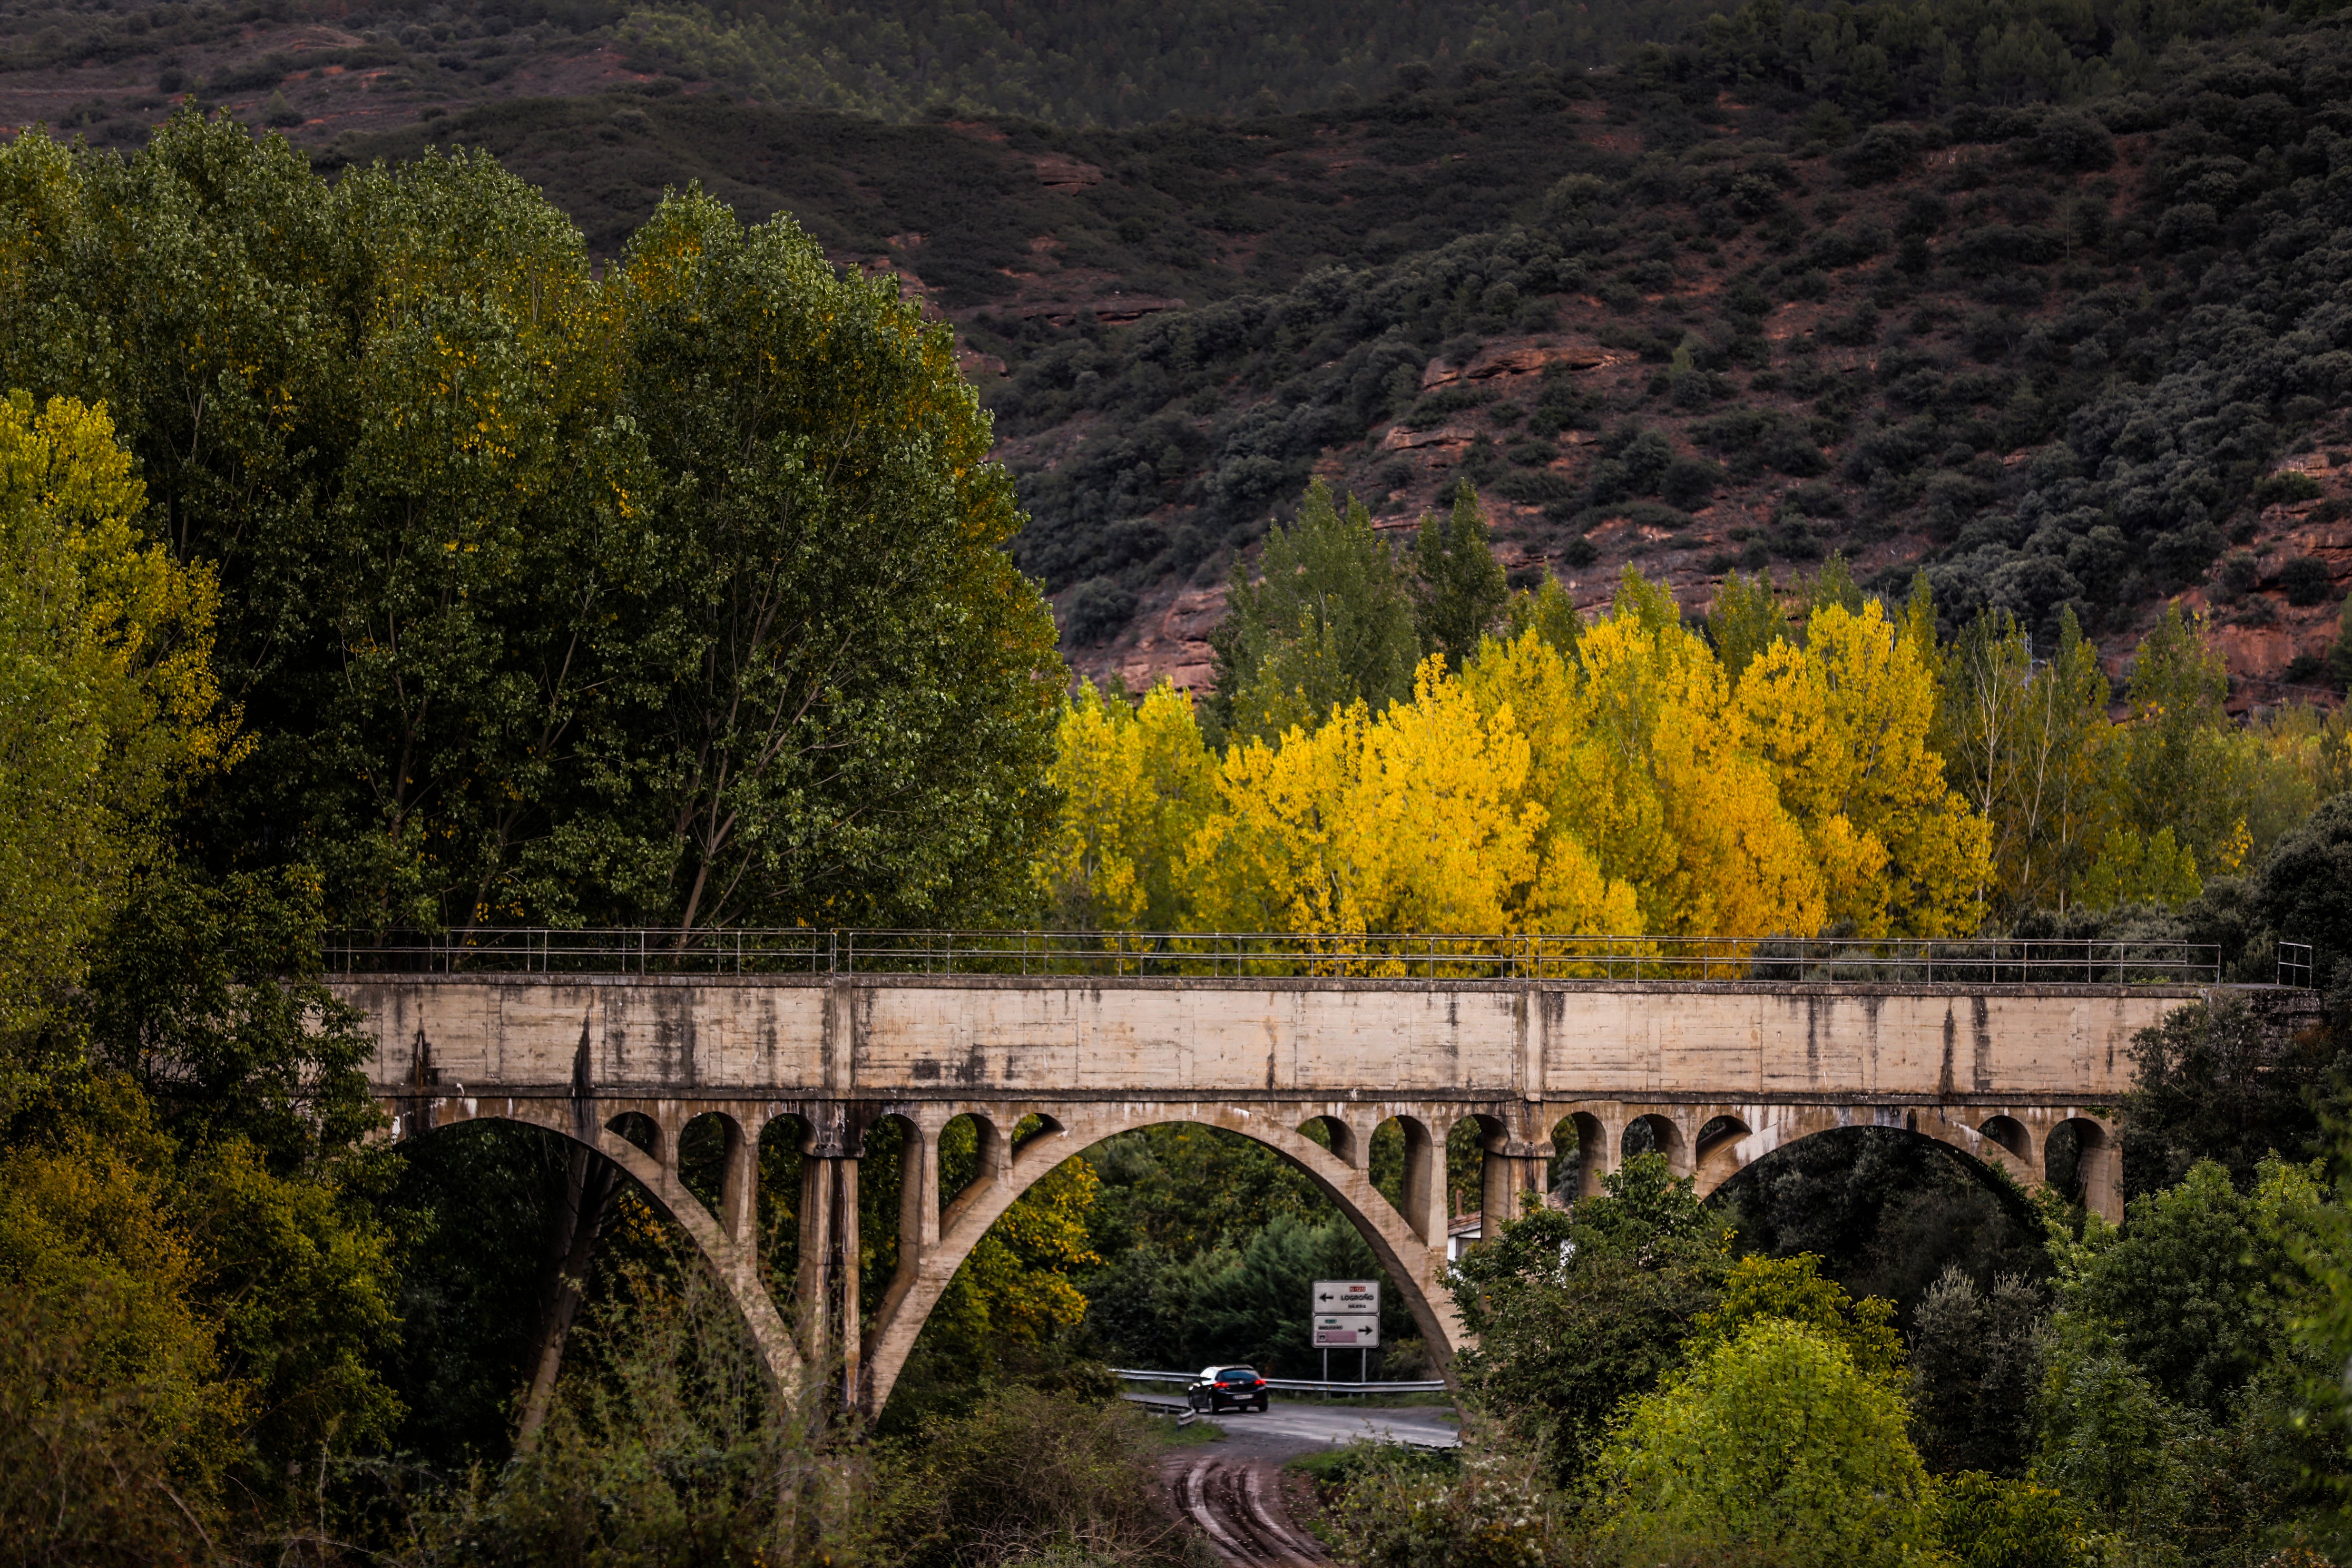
[1293, 1384]
[2295, 963]
[1210, 954]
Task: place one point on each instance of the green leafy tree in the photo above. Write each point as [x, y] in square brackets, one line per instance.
[2190, 1291]
[2214, 1081]
[838, 697]
[2179, 770]
[1746, 618]
[1989, 1522]
[108, 708]
[1577, 1309]
[1975, 1368]
[2304, 889]
[1792, 1289]
[2112, 1442]
[1546, 611]
[1461, 591]
[1772, 1440]
[1329, 621]
[676, 596]
[2025, 743]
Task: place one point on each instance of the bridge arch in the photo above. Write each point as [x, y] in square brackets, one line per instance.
[1661, 1132]
[1410, 1246]
[725, 1238]
[1713, 1142]
[2007, 1140]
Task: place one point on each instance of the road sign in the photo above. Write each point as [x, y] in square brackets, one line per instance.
[1347, 1297]
[1333, 1332]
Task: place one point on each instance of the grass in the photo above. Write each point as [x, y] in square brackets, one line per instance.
[1173, 1435]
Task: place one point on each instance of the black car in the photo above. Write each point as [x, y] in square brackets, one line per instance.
[1227, 1387]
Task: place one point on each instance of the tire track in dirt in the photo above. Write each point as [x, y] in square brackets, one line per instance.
[1238, 1503]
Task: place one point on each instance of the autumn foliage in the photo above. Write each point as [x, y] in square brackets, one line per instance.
[1625, 783]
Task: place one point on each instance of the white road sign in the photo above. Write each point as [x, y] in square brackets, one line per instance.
[1347, 1297]
[1333, 1332]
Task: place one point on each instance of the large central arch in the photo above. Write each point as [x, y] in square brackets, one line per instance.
[1410, 1246]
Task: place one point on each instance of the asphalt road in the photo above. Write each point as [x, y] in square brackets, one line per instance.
[1294, 1428]
[1233, 1489]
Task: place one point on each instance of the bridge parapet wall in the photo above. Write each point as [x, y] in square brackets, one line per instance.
[954, 1036]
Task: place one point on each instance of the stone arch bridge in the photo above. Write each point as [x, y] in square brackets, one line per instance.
[1716, 1073]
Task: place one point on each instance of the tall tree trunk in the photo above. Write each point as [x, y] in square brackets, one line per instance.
[587, 1186]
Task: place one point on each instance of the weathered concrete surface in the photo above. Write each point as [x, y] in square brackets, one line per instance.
[1715, 1076]
[917, 1036]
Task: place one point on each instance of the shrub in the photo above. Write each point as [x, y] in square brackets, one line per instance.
[668, 1446]
[2187, 224]
[1487, 1506]
[1882, 152]
[1095, 611]
[2287, 486]
[1688, 482]
[1989, 1522]
[2306, 582]
[1028, 1477]
[2073, 143]
[1817, 500]
[1532, 487]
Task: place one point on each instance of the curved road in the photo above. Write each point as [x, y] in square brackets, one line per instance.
[1234, 1490]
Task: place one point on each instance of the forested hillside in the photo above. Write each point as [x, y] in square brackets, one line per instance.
[2051, 312]
[2042, 301]
[316, 67]
[2086, 356]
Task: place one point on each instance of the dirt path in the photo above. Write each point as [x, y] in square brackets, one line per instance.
[1237, 1500]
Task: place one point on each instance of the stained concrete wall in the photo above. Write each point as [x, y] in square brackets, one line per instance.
[915, 1038]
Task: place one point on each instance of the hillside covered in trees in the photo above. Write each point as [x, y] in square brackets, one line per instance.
[2041, 299]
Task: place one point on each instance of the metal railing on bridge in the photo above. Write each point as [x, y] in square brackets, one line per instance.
[1244, 955]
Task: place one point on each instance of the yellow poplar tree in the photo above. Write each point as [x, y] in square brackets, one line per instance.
[1135, 784]
[1412, 822]
[1843, 723]
[1668, 797]
[1529, 677]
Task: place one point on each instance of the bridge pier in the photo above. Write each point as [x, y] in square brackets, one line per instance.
[825, 1288]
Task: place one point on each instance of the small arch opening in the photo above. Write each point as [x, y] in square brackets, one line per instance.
[1473, 1147]
[1334, 1133]
[781, 1138]
[1657, 1134]
[892, 1144]
[2010, 1135]
[1403, 1159]
[1718, 1130]
[1716, 1152]
[1580, 1156]
[970, 1147]
[1030, 1128]
[636, 1127]
[2067, 1154]
[704, 1145]
[1720, 1134]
